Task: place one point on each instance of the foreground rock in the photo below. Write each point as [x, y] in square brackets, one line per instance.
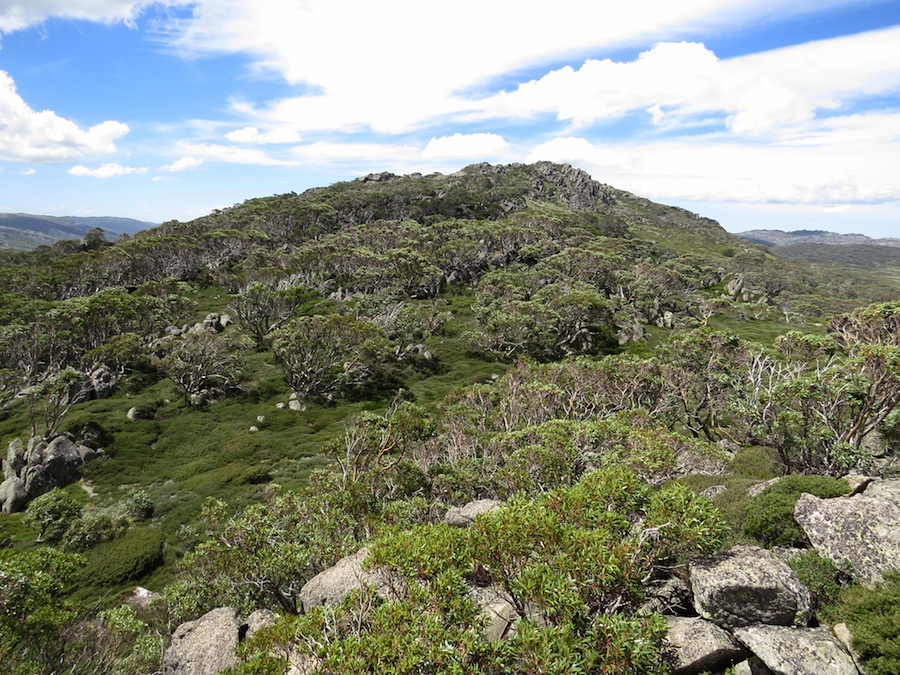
[861, 531]
[797, 651]
[693, 645]
[330, 586]
[205, 646]
[748, 585]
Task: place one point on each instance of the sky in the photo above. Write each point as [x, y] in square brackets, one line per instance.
[779, 114]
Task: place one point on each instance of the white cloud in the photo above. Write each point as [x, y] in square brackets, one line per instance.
[230, 154]
[465, 146]
[29, 172]
[394, 64]
[30, 136]
[18, 14]
[183, 164]
[829, 173]
[753, 94]
[362, 153]
[106, 171]
[252, 135]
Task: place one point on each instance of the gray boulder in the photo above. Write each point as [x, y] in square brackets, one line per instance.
[464, 516]
[258, 619]
[884, 489]
[496, 609]
[797, 651]
[15, 458]
[12, 494]
[747, 585]
[103, 381]
[205, 646]
[62, 459]
[330, 586]
[694, 645]
[861, 531]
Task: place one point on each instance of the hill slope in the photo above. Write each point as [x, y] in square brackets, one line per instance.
[24, 231]
[274, 385]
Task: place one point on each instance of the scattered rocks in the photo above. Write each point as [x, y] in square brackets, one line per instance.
[748, 585]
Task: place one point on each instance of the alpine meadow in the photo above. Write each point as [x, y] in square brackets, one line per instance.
[505, 421]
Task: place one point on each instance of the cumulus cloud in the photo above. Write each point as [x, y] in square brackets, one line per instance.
[752, 95]
[465, 146]
[106, 170]
[29, 172]
[27, 135]
[253, 135]
[829, 173]
[183, 164]
[423, 61]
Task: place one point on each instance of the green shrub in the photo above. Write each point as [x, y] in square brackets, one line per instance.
[135, 553]
[91, 530]
[874, 619]
[770, 516]
[756, 461]
[138, 505]
[821, 576]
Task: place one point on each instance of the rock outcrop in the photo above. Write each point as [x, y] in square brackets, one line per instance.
[861, 531]
[33, 469]
[748, 585]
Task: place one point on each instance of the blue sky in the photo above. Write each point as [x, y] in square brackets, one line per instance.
[759, 113]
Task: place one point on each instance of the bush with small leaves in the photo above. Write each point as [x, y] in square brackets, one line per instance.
[51, 514]
[93, 529]
[138, 505]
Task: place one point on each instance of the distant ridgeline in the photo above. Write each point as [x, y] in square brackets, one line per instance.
[24, 231]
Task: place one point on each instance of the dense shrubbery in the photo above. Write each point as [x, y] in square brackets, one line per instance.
[874, 619]
[133, 554]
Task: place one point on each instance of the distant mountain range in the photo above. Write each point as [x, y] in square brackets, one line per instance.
[25, 231]
[829, 248]
[776, 238]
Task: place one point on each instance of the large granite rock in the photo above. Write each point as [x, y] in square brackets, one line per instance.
[797, 651]
[12, 494]
[747, 585]
[861, 531]
[205, 646]
[33, 469]
[693, 645]
[463, 516]
[330, 586]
